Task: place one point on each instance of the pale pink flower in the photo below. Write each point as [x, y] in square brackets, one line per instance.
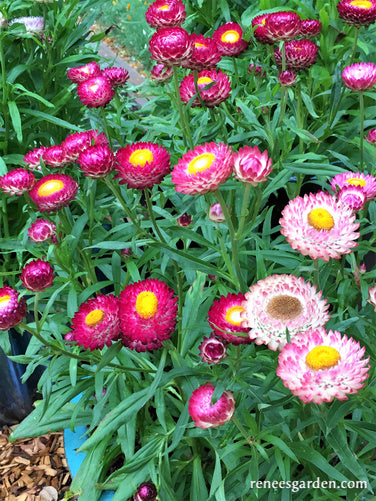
[204, 414]
[252, 166]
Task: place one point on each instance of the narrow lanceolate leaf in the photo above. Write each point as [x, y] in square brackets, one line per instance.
[16, 119]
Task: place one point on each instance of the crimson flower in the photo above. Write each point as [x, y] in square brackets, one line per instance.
[17, 182]
[95, 92]
[171, 46]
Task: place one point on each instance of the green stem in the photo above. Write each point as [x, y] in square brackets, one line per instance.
[187, 137]
[244, 212]
[317, 273]
[242, 430]
[36, 313]
[355, 43]
[4, 98]
[236, 71]
[117, 193]
[299, 115]
[106, 126]
[361, 106]
[149, 206]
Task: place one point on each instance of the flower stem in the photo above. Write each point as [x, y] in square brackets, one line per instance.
[242, 430]
[106, 127]
[361, 106]
[355, 43]
[187, 137]
[117, 193]
[244, 212]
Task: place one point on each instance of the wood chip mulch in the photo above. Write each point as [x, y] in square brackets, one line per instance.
[33, 469]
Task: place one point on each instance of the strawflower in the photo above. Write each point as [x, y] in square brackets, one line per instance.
[204, 414]
[300, 54]
[211, 97]
[75, 143]
[184, 220]
[357, 12]
[279, 303]
[171, 46]
[33, 158]
[352, 196]
[146, 492]
[53, 192]
[117, 76]
[260, 33]
[372, 296]
[42, 230]
[165, 13]
[366, 182]
[212, 350]
[319, 226]
[283, 25]
[33, 25]
[55, 156]
[252, 166]
[206, 54]
[95, 92]
[359, 76]
[228, 38]
[371, 136]
[17, 182]
[37, 275]
[319, 366]
[160, 72]
[287, 78]
[12, 308]
[215, 213]
[310, 28]
[96, 161]
[255, 69]
[82, 73]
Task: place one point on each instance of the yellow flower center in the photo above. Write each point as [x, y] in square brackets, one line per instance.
[49, 187]
[4, 299]
[356, 181]
[204, 80]
[321, 219]
[198, 44]
[263, 21]
[230, 36]
[362, 4]
[233, 315]
[141, 157]
[146, 304]
[322, 357]
[93, 87]
[94, 317]
[164, 7]
[284, 307]
[201, 163]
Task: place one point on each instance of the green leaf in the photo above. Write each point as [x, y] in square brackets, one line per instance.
[50, 118]
[280, 444]
[16, 119]
[28, 93]
[198, 487]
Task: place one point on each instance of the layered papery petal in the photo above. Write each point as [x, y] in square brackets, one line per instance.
[147, 314]
[33, 158]
[42, 230]
[146, 492]
[287, 78]
[320, 366]
[310, 28]
[75, 143]
[37, 275]
[203, 169]
[216, 214]
[95, 92]
[319, 226]
[225, 318]
[210, 97]
[206, 54]
[353, 197]
[171, 46]
[117, 76]
[142, 165]
[371, 136]
[365, 181]
[97, 323]
[255, 69]
[204, 414]
[260, 33]
[279, 303]
[228, 38]
[96, 161]
[372, 296]
[17, 182]
[212, 350]
[55, 156]
[359, 76]
[299, 54]
[53, 192]
[252, 166]
[283, 25]
[82, 73]
[161, 73]
[357, 12]
[33, 25]
[165, 13]
[12, 308]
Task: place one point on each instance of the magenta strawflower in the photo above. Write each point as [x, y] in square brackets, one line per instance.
[352, 196]
[95, 92]
[96, 161]
[215, 213]
[117, 76]
[82, 73]
[359, 76]
[211, 97]
[279, 303]
[171, 46]
[310, 28]
[146, 492]
[371, 136]
[372, 296]
[365, 181]
[319, 226]
[283, 25]
[75, 143]
[287, 78]
[96, 323]
[319, 366]
[204, 414]
[299, 54]
[37, 275]
[55, 156]
[142, 165]
[33, 158]
[184, 220]
[12, 308]
[258, 23]
[161, 73]
[357, 12]
[255, 69]
[252, 166]
[203, 169]
[165, 13]
[212, 350]
[17, 182]
[147, 314]
[206, 54]
[42, 230]
[224, 317]
[228, 38]
[53, 192]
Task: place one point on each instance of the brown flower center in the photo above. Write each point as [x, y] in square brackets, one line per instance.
[284, 307]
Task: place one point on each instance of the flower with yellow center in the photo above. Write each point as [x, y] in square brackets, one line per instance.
[357, 12]
[165, 13]
[146, 304]
[54, 191]
[50, 187]
[12, 308]
[141, 157]
[229, 39]
[321, 219]
[94, 317]
[225, 318]
[366, 182]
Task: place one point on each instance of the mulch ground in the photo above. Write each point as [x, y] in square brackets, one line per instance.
[33, 469]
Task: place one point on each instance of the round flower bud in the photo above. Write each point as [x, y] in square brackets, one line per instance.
[206, 415]
[33, 158]
[146, 492]
[165, 13]
[37, 275]
[33, 25]
[75, 143]
[205, 55]
[95, 92]
[299, 54]
[252, 166]
[287, 78]
[42, 230]
[216, 214]
[255, 69]
[283, 25]
[82, 73]
[55, 156]
[171, 46]
[160, 72]
[17, 182]
[12, 309]
[212, 350]
[359, 76]
[371, 136]
[96, 161]
[117, 76]
[310, 28]
[184, 220]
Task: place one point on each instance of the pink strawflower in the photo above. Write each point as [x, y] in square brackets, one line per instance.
[184, 220]
[203, 169]
[160, 72]
[96, 161]
[283, 25]
[319, 366]
[225, 318]
[42, 230]
[147, 314]
[364, 181]
[319, 226]
[55, 156]
[33, 25]
[17, 182]
[353, 197]
[82, 73]
[310, 28]
[12, 308]
[37, 275]
[211, 97]
[260, 33]
[287, 78]
[357, 12]
[126, 253]
[252, 166]
[255, 69]
[95, 92]
[371, 136]
[212, 350]
[33, 158]
[117, 76]
[142, 165]
[279, 303]
[215, 213]
[204, 414]
[299, 54]
[53, 192]
[96, 323]
[146, 492]
[372, 296]
[359, 76]
[206, 54]
[171, 46]
[165, 13]
[75, 143]
[228, 38]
